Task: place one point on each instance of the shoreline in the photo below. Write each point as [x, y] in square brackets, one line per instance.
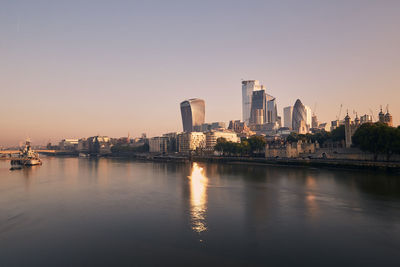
[299, 162]
[324, 163]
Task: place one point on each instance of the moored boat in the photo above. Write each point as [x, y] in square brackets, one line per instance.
[26, 157]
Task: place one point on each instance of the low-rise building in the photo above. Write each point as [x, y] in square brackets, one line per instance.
[190, 141]
[158, 144]
[99, 145]
[83, 145]
[212, 137]
[290, 150]
[68, 144]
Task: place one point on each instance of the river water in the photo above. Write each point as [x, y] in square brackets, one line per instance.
[85, 212]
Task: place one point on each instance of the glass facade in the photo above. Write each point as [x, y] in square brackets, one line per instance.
[193, 114]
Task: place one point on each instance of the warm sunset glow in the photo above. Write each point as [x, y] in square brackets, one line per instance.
[198, 198]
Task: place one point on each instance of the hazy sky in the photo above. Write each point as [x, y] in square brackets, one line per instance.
[81, 68]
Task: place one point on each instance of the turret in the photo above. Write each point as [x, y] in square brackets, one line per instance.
[388, 118]
[381, 116]
[348, 130]
[357, 120]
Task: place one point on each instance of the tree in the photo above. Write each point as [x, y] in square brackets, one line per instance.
[338, 134]
[377, 138]
[257, 143]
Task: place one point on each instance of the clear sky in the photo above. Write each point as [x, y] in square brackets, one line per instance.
[80, 68]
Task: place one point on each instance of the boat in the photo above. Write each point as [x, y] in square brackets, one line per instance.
[26, 157]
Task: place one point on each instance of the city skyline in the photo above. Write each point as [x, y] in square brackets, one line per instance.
[102, 74]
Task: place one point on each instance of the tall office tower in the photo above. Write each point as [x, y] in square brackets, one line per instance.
[308, 116]
[193, 114]
[314, 121]
[247, 93]
[287, 116]
[299, 117]
[272, 110]
[258, 107]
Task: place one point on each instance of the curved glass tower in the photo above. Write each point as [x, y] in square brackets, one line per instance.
[193, 114]
[299, 114]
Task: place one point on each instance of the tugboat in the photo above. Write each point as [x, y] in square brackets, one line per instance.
[26, 157]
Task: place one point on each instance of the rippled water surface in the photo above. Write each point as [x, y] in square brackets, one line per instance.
[82, 212]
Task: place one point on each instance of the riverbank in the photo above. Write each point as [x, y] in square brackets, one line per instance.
[346, 164]
[305, 162]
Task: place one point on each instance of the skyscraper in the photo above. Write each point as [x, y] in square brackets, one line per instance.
[258, 107]
[247, 93]
[287, 116]
[193, 114]
[272, 110]
[300, 117]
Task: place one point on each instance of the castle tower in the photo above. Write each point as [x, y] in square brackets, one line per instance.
[348, 130]
[357, 121]
[381, 116]
[388, 118]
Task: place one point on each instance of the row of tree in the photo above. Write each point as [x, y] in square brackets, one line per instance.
[253, 146]
[378, 138]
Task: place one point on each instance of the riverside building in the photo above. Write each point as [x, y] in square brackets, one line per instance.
[212, 137]
[191, 141]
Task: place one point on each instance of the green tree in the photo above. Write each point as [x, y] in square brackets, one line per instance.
[257, 143]
[338, 134]
[377, 138]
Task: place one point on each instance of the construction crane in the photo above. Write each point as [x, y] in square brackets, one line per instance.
[340, 112]
[315, 108]
[372, 114]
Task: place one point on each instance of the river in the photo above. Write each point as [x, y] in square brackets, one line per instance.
[115, 212]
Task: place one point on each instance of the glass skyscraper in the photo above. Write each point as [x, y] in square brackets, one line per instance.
[193, 114]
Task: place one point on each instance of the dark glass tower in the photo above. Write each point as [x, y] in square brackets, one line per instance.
[193, 114]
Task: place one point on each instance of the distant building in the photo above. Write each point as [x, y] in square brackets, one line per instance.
[258, 107]
[272, 110]
[68, 144]
[212, 126]
[301, 118]
[365, 118]
[190, 141]
[324, 127]
[212, 137]
[158, 144]
[193, 114]
[172, 141]
[99, 145]
[83, 145]
[247, 93]
[386, 118]
[314, 121]
[263, 108]
[240, 127]
[287, 117]
[351, 127]
[308, 116]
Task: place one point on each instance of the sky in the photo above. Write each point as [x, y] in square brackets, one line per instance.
[71, 69]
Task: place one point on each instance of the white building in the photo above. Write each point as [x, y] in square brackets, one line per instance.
[287, 117]
[247, 92]
[190, 141]
[308, 116]
[212, 137]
